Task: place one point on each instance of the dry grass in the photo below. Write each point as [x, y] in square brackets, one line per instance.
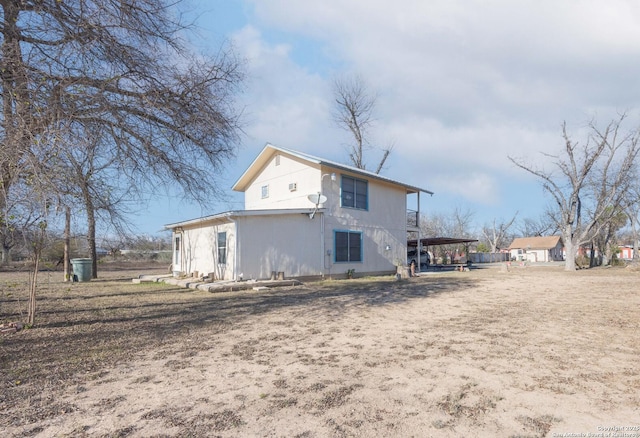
[483, 353]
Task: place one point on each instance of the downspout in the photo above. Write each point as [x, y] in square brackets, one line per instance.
[236, 275]
[322, 246]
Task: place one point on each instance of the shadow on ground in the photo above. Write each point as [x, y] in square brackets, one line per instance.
[83, 330]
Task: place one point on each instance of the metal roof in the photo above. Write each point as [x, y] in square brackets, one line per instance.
[539, 242]
[269, 149]
[231, 215]
[435, 241]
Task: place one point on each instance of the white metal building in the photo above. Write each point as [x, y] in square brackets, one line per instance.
[303, 217]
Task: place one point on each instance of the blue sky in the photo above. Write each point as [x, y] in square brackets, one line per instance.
[461, 84]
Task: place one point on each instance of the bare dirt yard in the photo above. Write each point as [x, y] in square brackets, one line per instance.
[530, 352]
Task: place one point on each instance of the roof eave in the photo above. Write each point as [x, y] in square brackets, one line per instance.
[243, 182]
[232, 215]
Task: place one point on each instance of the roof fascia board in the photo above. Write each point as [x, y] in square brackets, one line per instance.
[244, 179]
[233, 215]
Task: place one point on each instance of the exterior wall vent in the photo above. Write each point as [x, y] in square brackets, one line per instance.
[293, 187]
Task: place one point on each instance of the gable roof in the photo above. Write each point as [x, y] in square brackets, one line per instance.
[540, 242]
[269, 150]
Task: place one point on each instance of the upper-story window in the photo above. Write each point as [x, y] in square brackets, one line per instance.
[354, 193]
[265, 191]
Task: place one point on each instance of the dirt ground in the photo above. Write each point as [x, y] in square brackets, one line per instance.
[529, 352]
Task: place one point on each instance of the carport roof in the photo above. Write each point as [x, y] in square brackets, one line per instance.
[435, 241]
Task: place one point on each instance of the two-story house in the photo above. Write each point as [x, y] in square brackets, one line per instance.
[304, 217]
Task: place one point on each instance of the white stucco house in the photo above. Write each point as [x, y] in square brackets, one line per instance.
[537, 249]
[304, 217]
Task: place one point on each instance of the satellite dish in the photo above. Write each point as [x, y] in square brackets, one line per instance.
[317, 198]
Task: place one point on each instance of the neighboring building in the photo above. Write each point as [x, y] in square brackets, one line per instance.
[303, 217]
[537, 249]
[626, 252]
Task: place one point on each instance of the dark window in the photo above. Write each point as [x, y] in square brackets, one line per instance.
[222, 247]
[354, 193]
[348, 246]
[177, 251]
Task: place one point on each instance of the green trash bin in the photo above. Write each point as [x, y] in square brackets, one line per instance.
[81, 269]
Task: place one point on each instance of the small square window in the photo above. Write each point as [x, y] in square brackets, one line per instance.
[265, 191]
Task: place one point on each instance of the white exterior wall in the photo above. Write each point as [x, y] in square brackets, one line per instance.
[530, 255]
[281, 243]
[294, 243]
[200, 250]
[383, 224]
[538, 255]
[278, 177]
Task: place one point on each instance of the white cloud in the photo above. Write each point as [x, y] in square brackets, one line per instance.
[462, 84]
[286, 104]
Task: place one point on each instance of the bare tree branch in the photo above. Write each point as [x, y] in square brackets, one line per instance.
[354, 106]
[592, 185]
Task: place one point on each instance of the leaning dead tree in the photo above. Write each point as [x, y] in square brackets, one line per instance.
[354, 105]
[590, 182]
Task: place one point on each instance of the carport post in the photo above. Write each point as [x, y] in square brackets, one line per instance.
[419, 247]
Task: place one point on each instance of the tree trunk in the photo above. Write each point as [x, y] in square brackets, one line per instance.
[91, 219]
[6, 255]
[67, 243]
[635, 234]
[91, 228]
[31, 314]
[570, 250]
[606, 256]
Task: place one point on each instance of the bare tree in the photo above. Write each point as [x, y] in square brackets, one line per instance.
[633, 213]
[29, 213]
[168, 114]
[496, 233]
[92, 179]
[537, 227]
[605, 238]
[457, 223]
[592, 182]
[9, 230]
[354, 113]
[461, 222]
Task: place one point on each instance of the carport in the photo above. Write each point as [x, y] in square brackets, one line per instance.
[438, 241]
